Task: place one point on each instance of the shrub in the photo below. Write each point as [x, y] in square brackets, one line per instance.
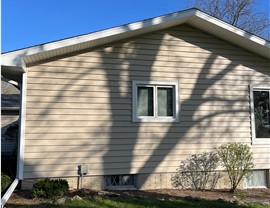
[48, 188]
[5, 182]
[197, 171]
[237, 159]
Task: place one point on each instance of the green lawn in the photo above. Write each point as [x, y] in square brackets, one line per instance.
[152, 203]
[120, 202]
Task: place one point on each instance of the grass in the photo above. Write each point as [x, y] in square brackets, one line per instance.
[127, 202]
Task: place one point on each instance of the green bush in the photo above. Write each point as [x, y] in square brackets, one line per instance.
[237, 159]
[5, 182]
[48, 188]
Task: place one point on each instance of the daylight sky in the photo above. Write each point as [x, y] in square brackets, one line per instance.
[26, 23]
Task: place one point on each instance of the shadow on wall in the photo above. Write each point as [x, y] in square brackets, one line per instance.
[202, 69]
[214, 76]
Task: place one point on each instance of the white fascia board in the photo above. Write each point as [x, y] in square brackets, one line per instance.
[232, 29]
[15, 58]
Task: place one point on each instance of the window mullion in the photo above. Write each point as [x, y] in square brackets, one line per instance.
[155, 102]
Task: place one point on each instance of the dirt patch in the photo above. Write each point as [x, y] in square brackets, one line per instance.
[250, 195]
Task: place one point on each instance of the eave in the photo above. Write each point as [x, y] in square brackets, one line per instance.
[193, 17]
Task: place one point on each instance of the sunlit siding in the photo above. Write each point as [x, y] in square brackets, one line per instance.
[79, 108]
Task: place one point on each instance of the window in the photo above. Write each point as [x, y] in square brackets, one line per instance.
[260, 114]
[257, 179]
[155, 101]
[120, 181]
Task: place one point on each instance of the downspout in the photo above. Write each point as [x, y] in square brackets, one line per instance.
[20, 154]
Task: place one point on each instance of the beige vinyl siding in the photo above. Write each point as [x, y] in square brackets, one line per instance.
[79, 108]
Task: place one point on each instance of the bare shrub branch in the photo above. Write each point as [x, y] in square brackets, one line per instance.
[197, 172]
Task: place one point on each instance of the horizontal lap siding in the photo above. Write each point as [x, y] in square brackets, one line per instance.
[79, 108]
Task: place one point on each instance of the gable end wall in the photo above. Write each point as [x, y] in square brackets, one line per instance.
[79, 108]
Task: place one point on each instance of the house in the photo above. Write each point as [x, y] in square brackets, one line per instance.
[125, 105]
[10, 106]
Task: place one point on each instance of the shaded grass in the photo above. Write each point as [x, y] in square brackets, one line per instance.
[127, 202]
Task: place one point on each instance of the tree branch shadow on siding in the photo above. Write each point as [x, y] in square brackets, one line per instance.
[120, 69]
[128, 57]
[201, 94]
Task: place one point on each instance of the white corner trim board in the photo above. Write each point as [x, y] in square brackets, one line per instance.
[20, 158]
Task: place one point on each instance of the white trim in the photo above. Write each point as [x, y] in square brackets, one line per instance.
[8, 193]
[20, 157]
[174, 85]
[232, 28]
[246, 178]
[211, 25]
[10, 57]
[253, 128]
[255, 187]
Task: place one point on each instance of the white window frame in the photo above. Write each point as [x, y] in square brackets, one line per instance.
[155, 118]
[253, 129]
[250, 177]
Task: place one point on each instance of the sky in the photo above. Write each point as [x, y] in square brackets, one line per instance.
[27, 23]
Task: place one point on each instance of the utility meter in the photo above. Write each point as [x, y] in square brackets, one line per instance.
[83, 169]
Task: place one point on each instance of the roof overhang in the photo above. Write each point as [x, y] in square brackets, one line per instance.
[193, 17]
[12, 73]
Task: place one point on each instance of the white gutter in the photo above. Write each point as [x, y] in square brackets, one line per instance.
[20, 156]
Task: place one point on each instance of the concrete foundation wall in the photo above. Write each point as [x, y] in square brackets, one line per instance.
[144, 182]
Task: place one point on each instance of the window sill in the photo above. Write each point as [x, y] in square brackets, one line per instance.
[256, 187]
[261, 141]
[167, 120]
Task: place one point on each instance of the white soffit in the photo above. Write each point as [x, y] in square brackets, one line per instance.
[193, 17]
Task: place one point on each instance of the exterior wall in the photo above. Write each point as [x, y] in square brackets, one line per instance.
[163, 181]
[79, 108]
[144, 182]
